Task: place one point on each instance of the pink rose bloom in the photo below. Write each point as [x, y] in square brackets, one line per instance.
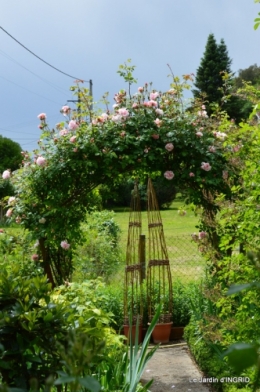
[236, 148]
[35, 257]
[212, 149]
[65, 110]
[205, 166]
[192, 174]
[73, 125]
[146, 150]
[153, 96]
[123, 112]
[104, 116]
[155, 136]
[220, 135]
[9, 212]
[73, 139]
[203, 107]
[40, 161]
[115, 105]
[202, 113]
[169, 147]
[202, 234]
[159, 112]
[140, 89]
[94, 121]
[117, 118]
[199, 134]
[169, 175]
[153, 104]
[6, 174]
[135, 105]
[65, 245]
[18, 220]
[146, 104]
[42, 116]
[63, 132]
[11, 201]
[158, 122]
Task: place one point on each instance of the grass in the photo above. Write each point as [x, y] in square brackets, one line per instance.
[173, 223]
[187, 264]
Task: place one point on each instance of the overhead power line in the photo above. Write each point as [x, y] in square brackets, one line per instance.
[64, 73]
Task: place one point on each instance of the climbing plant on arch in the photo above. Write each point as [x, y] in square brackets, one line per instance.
[148, 132]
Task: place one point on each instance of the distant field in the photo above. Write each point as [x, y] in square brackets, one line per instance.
[173, 223]
[186, 262]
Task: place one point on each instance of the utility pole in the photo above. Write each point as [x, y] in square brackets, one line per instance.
[79, 100]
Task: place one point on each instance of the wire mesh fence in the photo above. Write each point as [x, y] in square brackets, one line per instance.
[186, 262]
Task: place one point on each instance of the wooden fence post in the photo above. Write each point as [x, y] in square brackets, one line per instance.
[142, 256]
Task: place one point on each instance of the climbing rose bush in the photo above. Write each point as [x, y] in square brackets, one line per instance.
[149, 132]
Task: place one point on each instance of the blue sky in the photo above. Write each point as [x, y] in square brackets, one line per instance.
[89, 39]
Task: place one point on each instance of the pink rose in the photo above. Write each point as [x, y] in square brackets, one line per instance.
[11, 201]
[225, 174]
[212, 149]
[192, 174]
[116, 118]
[169, 175]
[202, 113]
[153, 96]
[42, 116]
[65, 245]
[169, 147]
[135, 105]
[202, 234]
[152, 104]
[155, 136]
[104, 116]
[40, 161]
[73, 124]
[65, 110]
[6, 174]
[123, 112]
[158, 122]
[199, 134]
[205, 166]
[63, 132]
[9, 212]
[73, 139]
[35, 257]
[18, 220]
[159, 112]
[140, 89]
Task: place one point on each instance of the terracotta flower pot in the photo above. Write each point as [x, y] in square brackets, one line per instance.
[133, 331]
[176, 333]
[161, 333]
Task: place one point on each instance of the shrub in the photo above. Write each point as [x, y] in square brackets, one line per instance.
[100, 254]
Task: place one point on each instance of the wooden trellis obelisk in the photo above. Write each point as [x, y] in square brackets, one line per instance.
[132, 292]
[159, 281]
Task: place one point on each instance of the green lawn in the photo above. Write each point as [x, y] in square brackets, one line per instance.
[186, 262]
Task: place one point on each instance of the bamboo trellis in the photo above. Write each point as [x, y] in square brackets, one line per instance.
[133, 301]
[159, 281]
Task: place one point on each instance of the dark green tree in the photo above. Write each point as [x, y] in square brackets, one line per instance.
[10, 158]
[214, 62]
[250, 74]
[10, 154]
[209, 81]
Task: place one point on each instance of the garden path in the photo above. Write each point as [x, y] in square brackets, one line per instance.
[173, 369]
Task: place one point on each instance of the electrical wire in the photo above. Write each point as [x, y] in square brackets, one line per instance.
[10, 81]
[64, 73]
[33, 73]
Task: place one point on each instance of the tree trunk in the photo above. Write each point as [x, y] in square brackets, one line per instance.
[46, 262]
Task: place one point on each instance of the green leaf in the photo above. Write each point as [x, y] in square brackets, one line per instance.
[65, 379]
[91, 383]
[237, 288]
[242, 355]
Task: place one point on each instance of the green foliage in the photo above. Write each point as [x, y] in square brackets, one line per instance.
[119, 194]
[10, 154]
[100, 254]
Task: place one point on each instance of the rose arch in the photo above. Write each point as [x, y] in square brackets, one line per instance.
[148, 133]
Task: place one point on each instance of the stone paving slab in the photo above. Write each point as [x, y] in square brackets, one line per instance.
[173, 369]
